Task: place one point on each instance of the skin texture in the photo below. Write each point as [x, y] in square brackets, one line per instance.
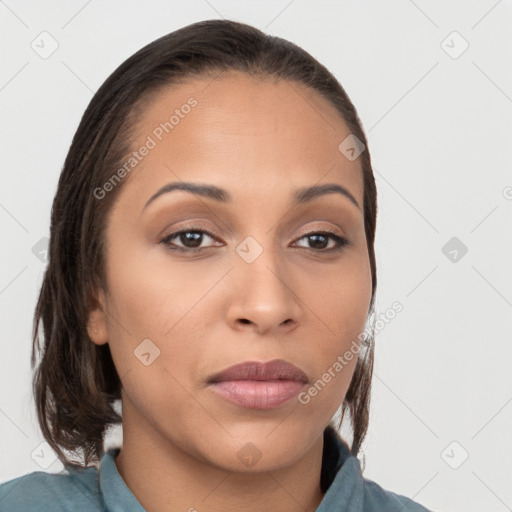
[260, 139]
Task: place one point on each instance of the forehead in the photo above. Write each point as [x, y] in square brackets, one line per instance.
[241, 131]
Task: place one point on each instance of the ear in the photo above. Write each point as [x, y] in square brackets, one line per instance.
[97, 321]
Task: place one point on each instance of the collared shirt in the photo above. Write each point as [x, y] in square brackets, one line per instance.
[104, 490]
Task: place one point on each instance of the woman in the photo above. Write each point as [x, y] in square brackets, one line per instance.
[211, 265]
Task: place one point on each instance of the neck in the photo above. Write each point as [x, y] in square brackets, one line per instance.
[165, 477]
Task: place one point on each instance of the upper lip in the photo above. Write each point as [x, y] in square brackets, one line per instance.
[277, 369]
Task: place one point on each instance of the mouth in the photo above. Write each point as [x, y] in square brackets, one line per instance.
[256, 385]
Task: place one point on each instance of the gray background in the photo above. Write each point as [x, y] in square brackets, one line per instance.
[439, 121]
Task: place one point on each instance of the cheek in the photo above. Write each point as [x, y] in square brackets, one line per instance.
[144, 304]
[341, 302]
[151, 296]
[343, 308]
[171, 305]
[154, 336]
[342, 297]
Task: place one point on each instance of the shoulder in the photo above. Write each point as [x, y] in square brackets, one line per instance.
[64, 491]
[378, 499]
[350, 490]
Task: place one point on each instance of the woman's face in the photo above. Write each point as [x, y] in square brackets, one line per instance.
[263, 284]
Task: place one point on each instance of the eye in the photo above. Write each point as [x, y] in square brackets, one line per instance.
[320, 240]
[190, 238]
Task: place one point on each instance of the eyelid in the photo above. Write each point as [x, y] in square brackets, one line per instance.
[190, 228]
[313, 230]
[192, 212]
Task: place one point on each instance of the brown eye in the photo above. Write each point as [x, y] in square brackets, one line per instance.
[319, 241]
[187, 239]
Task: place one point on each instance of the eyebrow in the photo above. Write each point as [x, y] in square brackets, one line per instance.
[301, 195]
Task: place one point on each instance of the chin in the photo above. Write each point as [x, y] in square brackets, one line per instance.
[255, 448]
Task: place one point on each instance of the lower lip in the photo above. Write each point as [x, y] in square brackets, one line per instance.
[258, 394]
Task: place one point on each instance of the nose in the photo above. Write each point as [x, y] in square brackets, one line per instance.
[264, 299]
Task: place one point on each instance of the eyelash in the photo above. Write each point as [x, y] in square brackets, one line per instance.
[340, 241]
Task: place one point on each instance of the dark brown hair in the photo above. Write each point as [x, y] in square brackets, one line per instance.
[76, 383]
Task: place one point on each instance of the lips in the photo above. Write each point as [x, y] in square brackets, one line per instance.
[256, 385]
[253, 370]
